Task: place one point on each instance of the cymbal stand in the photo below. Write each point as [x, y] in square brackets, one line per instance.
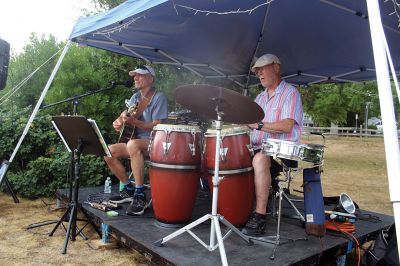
[280, 194]
[215, 230]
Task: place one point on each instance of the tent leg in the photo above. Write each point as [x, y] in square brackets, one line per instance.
[387, 108]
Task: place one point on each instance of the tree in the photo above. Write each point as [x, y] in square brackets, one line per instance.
[338, 103]
[34, 54]
[107, 4]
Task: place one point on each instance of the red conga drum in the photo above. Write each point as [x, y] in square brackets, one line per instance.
[174, 172]
[236, 189]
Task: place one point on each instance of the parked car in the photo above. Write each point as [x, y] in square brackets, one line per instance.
[379, 127]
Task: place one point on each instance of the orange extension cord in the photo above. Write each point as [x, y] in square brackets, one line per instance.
[347, 229]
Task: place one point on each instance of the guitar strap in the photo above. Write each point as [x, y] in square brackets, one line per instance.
[144, 102]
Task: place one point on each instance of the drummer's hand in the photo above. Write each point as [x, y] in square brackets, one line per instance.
[253, 126]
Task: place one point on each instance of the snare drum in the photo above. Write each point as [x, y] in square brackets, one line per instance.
[312, 153]
[281, 149]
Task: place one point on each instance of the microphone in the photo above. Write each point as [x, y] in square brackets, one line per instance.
[126, 83]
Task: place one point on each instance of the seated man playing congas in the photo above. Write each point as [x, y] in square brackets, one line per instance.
[151, 110]
[283, 118]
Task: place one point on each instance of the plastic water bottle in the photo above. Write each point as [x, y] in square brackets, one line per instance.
[104, 233]
[107, 185]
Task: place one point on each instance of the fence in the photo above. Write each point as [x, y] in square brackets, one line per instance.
[344, 131]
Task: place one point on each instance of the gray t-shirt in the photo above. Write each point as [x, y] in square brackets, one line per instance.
[157, 109]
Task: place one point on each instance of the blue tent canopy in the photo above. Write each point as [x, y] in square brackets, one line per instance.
[317, 40]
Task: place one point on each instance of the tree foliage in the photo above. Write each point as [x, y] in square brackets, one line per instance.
[338, 103]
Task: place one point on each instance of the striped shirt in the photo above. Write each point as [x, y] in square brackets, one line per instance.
[284, 103]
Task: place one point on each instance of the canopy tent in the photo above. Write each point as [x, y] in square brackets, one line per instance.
[317, 41]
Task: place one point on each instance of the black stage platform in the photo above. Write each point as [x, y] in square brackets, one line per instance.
[141, 232]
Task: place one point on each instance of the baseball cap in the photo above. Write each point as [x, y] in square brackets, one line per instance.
[145, 69]
[265, 60]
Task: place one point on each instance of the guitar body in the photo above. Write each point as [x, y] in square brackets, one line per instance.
[127, 132]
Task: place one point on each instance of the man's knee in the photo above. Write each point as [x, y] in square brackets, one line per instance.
[260, 160]
[134, 147]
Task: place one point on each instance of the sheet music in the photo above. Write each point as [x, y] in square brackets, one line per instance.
[61, 136]
[100, 136]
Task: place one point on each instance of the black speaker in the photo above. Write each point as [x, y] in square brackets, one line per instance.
[4, 59]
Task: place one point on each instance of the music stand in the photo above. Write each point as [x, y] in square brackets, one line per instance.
[229, 106]
[81, 136]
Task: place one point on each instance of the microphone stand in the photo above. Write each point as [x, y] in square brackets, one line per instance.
[74, 99]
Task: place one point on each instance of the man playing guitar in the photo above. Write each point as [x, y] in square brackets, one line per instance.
[151, 109]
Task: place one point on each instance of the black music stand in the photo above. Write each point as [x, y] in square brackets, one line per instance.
[81, 136]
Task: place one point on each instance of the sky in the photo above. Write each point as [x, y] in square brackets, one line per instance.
[19, 18]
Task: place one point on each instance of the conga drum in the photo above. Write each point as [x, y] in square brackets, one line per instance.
[175, 158]
[236, 190]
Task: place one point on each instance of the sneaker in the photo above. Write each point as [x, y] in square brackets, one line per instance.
[125, 195]
[138, 205]
[255, 226]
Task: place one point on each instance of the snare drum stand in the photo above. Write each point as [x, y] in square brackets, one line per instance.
[214, 216]
[280, 194]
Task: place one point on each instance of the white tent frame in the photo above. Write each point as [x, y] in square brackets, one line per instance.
[390, 136]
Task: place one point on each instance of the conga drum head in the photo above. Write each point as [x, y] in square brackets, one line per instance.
[177, 128]
[228, 130]
[175, 145]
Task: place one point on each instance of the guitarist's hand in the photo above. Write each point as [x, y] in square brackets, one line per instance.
[126, 118]
[131, 120]
[117, 124]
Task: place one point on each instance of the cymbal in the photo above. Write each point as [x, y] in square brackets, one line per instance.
[206, 100]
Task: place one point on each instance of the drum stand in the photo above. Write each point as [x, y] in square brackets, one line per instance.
[214, 216]
[289, 173]
[280, 194]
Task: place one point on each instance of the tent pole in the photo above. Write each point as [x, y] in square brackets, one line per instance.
[387, 109]
[44, 92]
[35, 110]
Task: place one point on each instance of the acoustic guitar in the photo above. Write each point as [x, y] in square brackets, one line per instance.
[127, 132]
